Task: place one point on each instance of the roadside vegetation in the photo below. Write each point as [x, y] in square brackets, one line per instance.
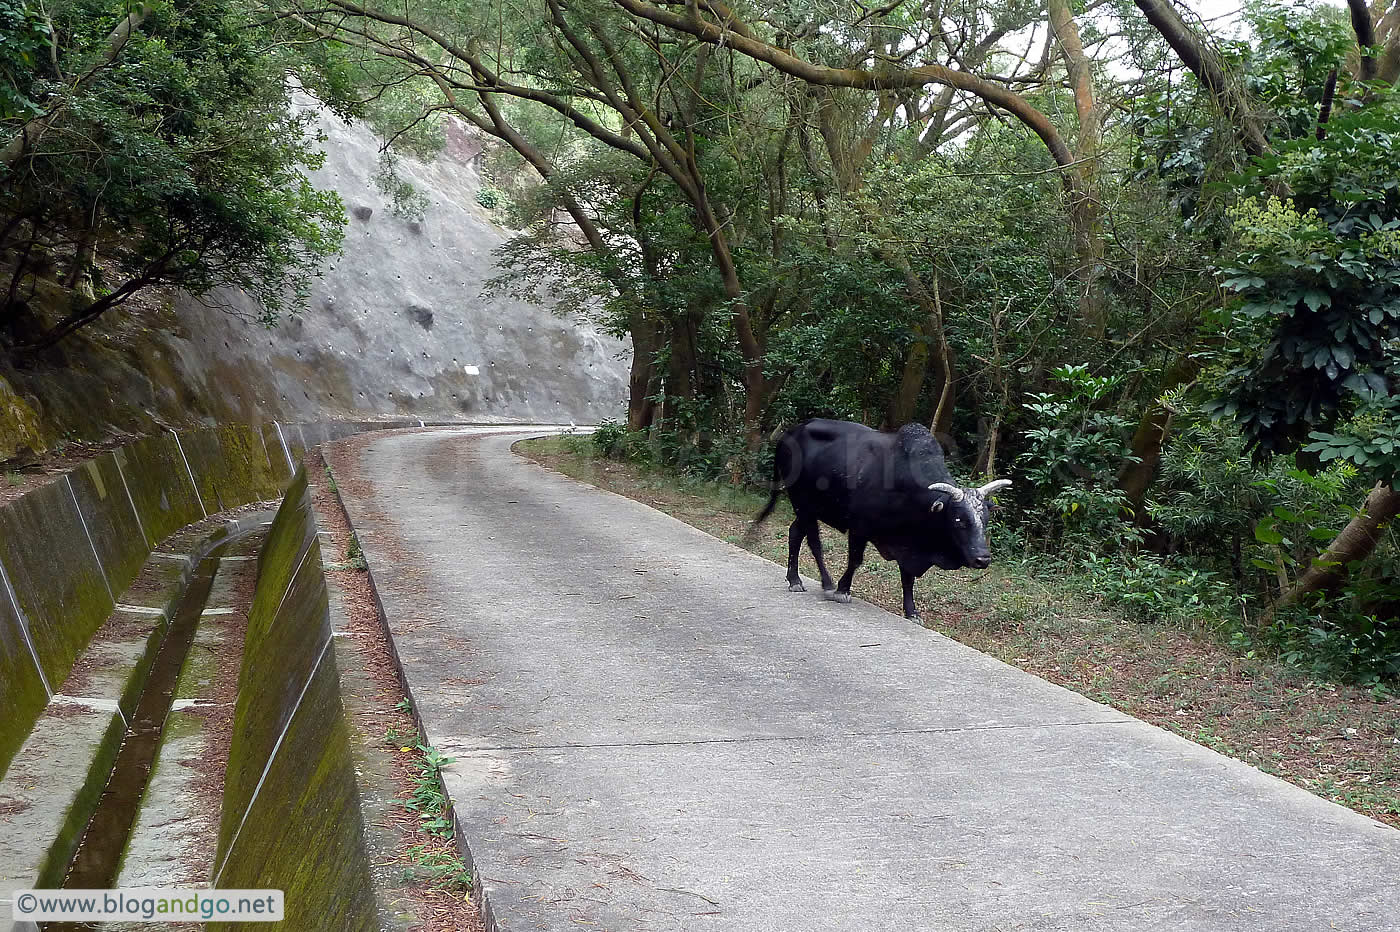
[1185, 670]
[150, 146]
[1146, 266]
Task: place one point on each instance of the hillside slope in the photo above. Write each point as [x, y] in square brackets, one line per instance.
[396, 327]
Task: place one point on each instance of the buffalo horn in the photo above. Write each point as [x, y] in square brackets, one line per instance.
[992, 488]
[952, 490]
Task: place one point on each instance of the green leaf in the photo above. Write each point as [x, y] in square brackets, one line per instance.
[1316, 300]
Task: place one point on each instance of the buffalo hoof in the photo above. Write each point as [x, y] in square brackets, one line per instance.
[833, 595]
[914, 616]
[796, 587]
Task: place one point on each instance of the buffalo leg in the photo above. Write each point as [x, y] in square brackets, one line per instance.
[796, 532]
[906, 579]
[814, 540]
[853, 562]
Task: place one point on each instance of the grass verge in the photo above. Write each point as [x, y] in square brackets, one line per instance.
[1338, 741]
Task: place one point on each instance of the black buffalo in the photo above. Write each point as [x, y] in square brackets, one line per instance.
[890, 490]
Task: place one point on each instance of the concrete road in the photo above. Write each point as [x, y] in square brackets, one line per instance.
[651, 733]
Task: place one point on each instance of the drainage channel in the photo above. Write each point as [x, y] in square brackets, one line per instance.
[98, 857]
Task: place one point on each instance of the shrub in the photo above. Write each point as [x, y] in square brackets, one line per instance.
[1149, 588]
[490, 197]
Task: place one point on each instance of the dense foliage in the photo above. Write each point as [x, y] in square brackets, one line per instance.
[149, 145]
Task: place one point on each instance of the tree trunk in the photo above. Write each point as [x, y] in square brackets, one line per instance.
[646, 341]
[1365, 32]
[1388, 32]
[1356, 542]
[911, 383]
[937, 353]
[1085, 217]
[755, 382]
[941, 420]
[1150, 438]
[684, 370]
[1202, 61]
[81, 273]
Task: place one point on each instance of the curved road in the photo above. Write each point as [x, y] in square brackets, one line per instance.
[651, 733]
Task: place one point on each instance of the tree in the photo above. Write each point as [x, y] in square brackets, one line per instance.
[162, 151]
[1316, 271]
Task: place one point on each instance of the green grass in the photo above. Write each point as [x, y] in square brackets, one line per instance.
[442, 869]
[354, 557]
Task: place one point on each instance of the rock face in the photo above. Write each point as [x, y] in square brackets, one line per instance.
[398, 326]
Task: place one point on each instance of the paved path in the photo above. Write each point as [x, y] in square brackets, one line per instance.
[652, 734]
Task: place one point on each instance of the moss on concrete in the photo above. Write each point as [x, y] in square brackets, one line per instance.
[160, 485]
[22, 694]
[277, 454]
[116, 531]
[302, 830]
[279, 650]
[55, 575]
[304, 833]
[19, 425]
[230, 466]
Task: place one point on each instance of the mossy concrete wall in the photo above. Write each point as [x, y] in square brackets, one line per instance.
[291, 813]
[19, 425]
[68, 550]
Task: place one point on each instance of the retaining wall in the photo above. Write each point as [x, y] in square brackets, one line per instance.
[291, 811]
[69, 549]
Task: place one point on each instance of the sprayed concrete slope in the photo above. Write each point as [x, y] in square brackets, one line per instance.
[399, 326]
[651, 733]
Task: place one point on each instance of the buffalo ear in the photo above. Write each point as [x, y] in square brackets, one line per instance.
[937, 506]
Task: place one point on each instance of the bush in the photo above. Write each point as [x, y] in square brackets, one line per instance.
[1073, 454]
[1150, 588]
[613, 440]
[1333, 638]
[490, 197]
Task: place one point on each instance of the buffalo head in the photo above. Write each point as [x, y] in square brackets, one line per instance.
[962, 515]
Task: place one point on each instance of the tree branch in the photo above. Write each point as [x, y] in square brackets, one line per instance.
[33, 130]
[1365, 36]
[741, 38]
[1203, 63]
